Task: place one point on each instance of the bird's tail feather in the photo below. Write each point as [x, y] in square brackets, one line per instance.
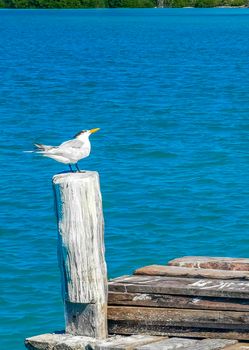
[39, 148]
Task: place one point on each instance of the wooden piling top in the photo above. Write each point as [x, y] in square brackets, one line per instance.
[69, 176]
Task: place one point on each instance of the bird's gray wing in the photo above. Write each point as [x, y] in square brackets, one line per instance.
[71, 144]
[67, 148]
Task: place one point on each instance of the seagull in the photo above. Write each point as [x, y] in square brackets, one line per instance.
[69, 152]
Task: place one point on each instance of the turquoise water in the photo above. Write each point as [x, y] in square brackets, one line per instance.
[170, 91]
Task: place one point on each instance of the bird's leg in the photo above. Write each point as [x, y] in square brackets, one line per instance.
[77, 167]
[71, 169]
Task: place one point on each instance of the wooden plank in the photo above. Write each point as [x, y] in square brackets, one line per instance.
[180, 317]
[71, 342]
[129, 327]
[59, 341]
[177, 271]
[220, 263]
[212, 344]
[136, 342]
[181, 286]
[126, 343]
[170, 344]
[177, 301]
[238, 346]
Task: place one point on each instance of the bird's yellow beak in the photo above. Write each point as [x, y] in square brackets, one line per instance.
[94, 130]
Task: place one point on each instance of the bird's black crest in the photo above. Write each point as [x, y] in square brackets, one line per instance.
[79, 133]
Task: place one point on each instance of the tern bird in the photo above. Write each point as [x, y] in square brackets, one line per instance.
[69, 152]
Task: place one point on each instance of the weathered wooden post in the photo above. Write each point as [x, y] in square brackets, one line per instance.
[81, 252]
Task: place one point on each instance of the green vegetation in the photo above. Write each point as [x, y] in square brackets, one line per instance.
[118, 3]
[54, 3]
[204, 3]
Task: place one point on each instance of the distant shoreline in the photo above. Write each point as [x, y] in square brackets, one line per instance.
[215, 7]
[125, 4]
[114, 8]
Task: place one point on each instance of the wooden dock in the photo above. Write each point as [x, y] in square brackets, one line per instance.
[175, 300]
[172, 307]
[195, 303]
